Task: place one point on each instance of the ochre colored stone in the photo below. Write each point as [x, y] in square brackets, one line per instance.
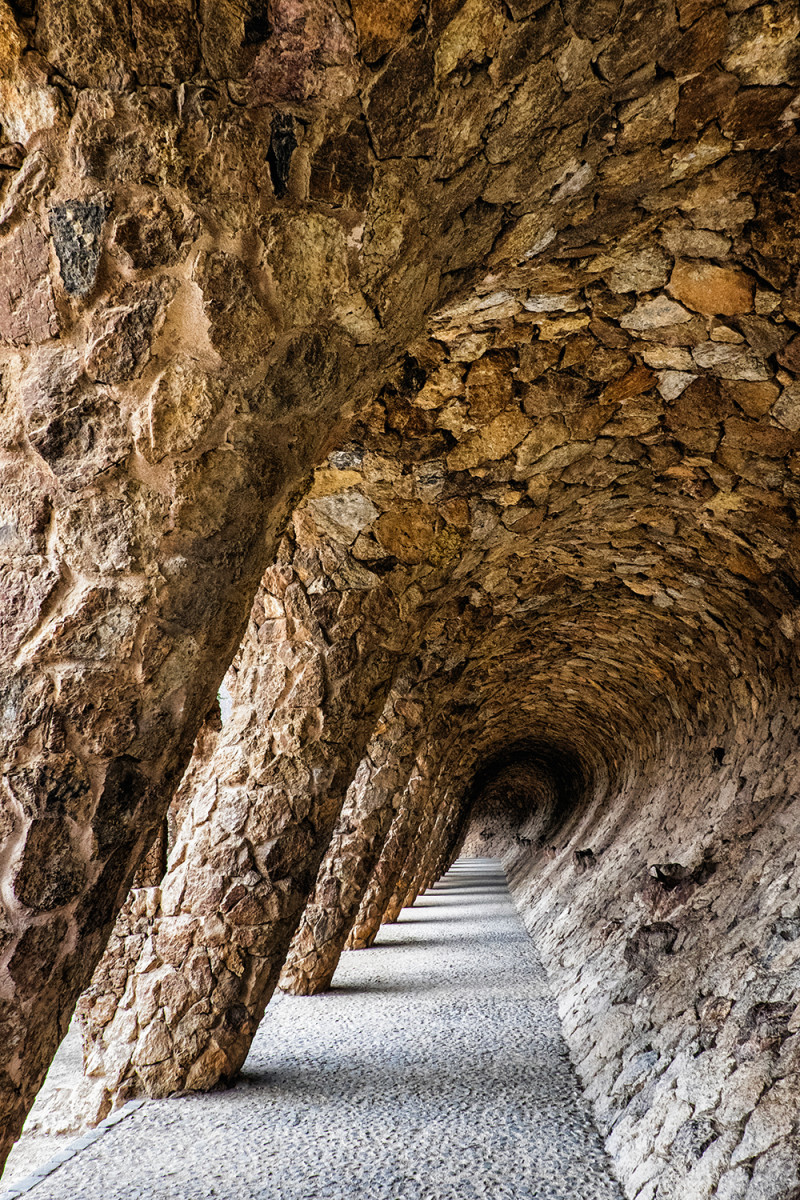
[639, 379]
[380, 27]
[408, 532]
[488, 389]
[494, 441]
[715, 291]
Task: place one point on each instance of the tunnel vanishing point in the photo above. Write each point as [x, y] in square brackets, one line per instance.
[429, 373]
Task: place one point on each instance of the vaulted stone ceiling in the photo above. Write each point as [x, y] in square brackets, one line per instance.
[442, 361]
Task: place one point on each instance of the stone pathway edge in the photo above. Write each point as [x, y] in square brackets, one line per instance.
[22, 1186]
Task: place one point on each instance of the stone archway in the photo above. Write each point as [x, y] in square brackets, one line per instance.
[580, 254]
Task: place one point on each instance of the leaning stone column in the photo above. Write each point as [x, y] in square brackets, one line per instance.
[172, 361]
[197, 275]
[195, 973]
[405, 877]
[424, 861]
[452, 846]
[349, 863]
[445, 841]
[333, 905]
[431, 853]
[385, 875]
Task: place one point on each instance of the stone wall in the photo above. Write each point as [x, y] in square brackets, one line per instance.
[670, 926]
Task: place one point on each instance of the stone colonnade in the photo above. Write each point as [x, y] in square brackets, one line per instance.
[520, 282]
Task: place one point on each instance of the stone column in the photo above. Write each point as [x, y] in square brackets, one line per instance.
[151, 355]
[373, 802]
[425, 859]
[430, 864]
[453, 835]
[408, 869]
[384, 878]
[191, 291]
[452, 848]
[193, 285]
[192, 981]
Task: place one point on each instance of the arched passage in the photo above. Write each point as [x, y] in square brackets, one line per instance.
[521, 795]
[574, 503]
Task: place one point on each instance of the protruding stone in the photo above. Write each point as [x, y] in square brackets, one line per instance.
[77, 229]
[715, 291]
[655, 314]
[343, 514]
[729, 362]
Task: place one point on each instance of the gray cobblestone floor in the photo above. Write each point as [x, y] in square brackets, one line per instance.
[434, 1069]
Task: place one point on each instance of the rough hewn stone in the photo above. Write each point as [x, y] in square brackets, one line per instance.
[76, 228]
[27, 311]
[352, 855]
[711, 290]
[568, 240]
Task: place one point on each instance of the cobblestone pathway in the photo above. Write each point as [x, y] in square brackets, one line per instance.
[435, 1068]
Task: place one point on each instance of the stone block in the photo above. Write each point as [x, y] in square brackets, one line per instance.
[27, 311]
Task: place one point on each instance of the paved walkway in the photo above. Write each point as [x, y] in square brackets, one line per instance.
[433, 1070]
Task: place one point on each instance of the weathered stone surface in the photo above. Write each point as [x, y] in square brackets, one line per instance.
[380, 28]
[27, 311]
[655, 314]
[249, 867]
[77, 228]
[571, 512]
[381, 886]
[343, 515]
[154, 234]
[408, 533]
[120, 336]
[711, 290]
[352, 856]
